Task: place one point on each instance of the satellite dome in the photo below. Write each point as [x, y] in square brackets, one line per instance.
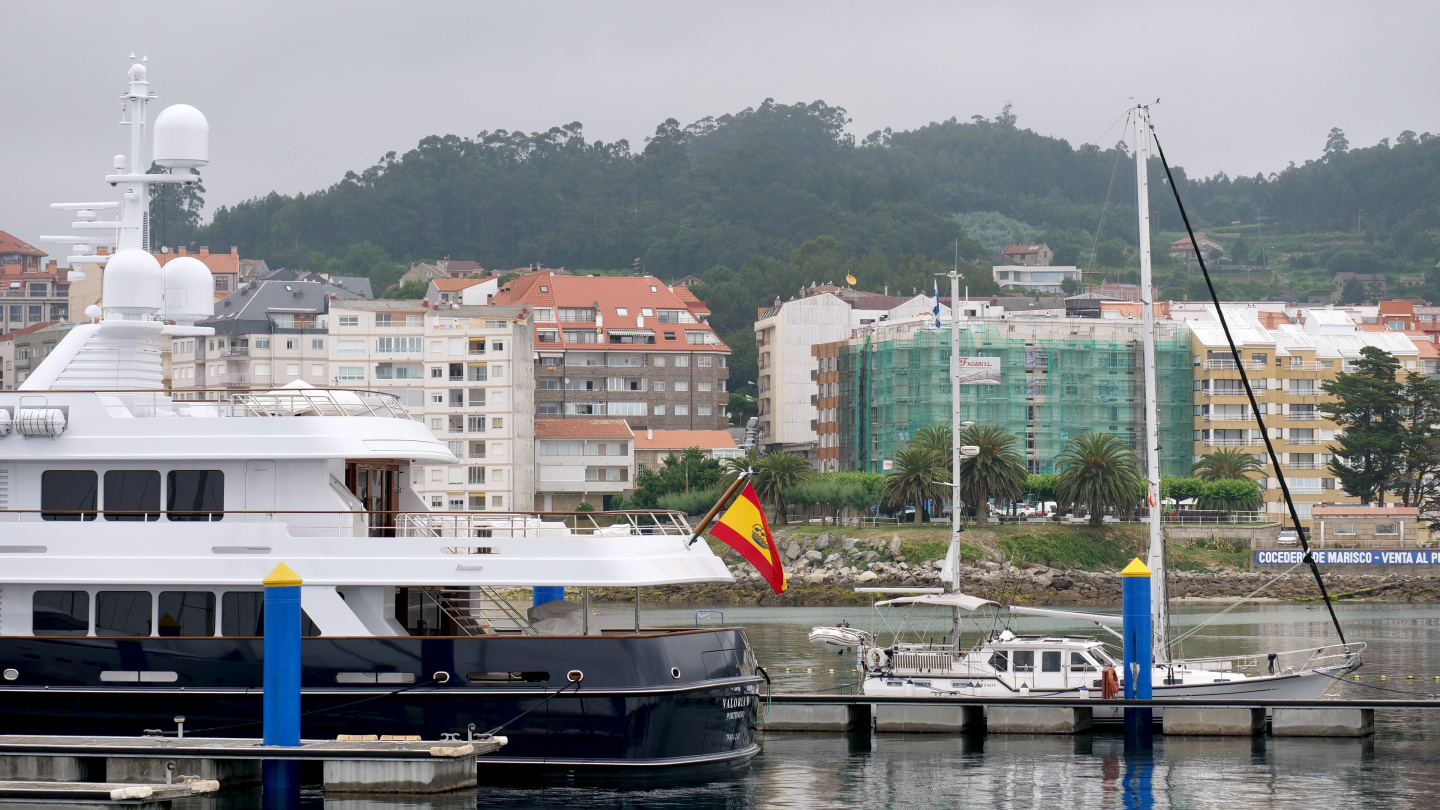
[137, 72]
[182, 138]
[189, 291]
[133, 283]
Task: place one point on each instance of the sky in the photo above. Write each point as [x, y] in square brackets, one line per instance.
[298, 93]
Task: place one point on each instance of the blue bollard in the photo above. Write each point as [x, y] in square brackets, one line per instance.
[281, 786]
[1138, 660]
[542, 594]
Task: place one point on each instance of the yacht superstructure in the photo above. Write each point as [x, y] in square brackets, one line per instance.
[136, 528]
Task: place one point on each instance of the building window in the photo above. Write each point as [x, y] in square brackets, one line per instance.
[497, 501]
[293, 369]
[351, 373]
[60, 613]
[704, 361]
[682, 410]
[68, 494]
[476, 475]
[132, 495]
[682, 385]
[657, 360]
[475, 424]
[669, 335]
[317, 343]
[1344, 528]
[659, 385]
[1387, 528]
[682, 361]
[659, 410]
[349, 320]
[399, 345]
[262, 342]
[547, 408]
[703, 410]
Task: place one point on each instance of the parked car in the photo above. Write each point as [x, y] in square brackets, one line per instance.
[1288, 537]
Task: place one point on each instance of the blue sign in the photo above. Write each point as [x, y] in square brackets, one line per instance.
[1348, 557]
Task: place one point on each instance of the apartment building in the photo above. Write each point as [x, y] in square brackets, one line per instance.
[579, 461]
[1287, 366]
[653, 446]
[467, 372]
[22, 350]
[788, 371]
[267, 334]
[32, 291]
[628, 347]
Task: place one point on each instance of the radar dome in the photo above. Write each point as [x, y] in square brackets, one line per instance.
[182, 138]
[189, 291]
[133, 283]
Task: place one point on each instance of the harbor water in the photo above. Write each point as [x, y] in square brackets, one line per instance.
[1397, 768]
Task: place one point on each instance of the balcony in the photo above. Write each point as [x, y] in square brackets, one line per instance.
[1307, 416]
[1247, 416]
[235, 380]
[1227, 392]
[1303, 365]
[1233, 442]
[1309, 440]
[1249, 365]
[1304, 489]
[233, 351]
[1304, 465]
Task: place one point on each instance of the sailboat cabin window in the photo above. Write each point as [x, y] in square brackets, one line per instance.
[1000, 661]
[1024, 660]
[68, 494]
[1050, 661]
[197, 495]
[1079, 663]
[132, 495]
[60, 613]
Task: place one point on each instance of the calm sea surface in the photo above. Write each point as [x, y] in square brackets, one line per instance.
[1398, 768]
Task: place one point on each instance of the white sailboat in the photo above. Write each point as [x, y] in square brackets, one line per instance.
[1000, 663]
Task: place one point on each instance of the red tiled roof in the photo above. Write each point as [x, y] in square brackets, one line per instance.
[27, 330]
[582, 429]
[11, 244]
[1358, 511]
[217, 262]
[610, 294]
[455, 284]
[1020, 250]
[681, 439]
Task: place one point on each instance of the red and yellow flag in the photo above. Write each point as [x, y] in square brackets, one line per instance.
[743, 527]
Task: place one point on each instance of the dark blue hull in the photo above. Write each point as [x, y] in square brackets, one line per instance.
[677, 705]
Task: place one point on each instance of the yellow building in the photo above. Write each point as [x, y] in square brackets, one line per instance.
[1287, 361]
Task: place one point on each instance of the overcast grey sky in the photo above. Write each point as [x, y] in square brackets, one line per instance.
[297, 93]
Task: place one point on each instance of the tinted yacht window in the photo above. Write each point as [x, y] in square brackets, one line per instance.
[61, 613]
[68, 494]
[242, 613]
[187, 613]
[132, 495]
[122, 613]
[196, 495]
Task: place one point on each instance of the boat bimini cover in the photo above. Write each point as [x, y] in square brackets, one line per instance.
[954, 600]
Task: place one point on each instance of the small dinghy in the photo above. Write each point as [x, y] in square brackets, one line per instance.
[839, 638]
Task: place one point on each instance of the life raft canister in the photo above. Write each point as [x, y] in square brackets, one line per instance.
[1109, 683]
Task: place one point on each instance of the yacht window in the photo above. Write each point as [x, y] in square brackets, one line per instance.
[242, 613]
[1000, 661]
[68, 494]
[132, 495]
[196, 495]
[1078, 661]
[187, 613]
[122, 613]
[60, 613]
[1024, 660]
[1050, 661]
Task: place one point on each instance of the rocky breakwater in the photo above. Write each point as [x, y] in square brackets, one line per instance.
[826, 569]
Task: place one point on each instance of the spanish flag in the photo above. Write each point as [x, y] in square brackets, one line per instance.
[743, 527]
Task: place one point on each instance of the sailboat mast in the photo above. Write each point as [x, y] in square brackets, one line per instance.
[1156, 558]
[954, 555]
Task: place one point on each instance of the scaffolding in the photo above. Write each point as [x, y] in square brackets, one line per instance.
[1059, 378]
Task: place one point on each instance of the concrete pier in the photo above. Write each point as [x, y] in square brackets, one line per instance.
[399, 776]
[817, 717]
[1322, 723]
[1038, 719]
[1213, 722]
[31, 768]
[150, 770]
[927, 719]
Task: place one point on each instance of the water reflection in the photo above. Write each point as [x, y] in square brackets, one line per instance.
[1398, 768]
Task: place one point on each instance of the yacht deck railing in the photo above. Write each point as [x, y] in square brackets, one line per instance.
[237, 402]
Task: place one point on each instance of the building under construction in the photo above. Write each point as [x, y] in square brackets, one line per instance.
[1059, 378]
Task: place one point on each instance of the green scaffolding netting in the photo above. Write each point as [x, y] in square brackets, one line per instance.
[1058, 379]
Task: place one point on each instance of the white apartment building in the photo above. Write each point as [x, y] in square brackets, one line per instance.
[785, 333]
[582, 461]
[1044, 279]
[468, 372]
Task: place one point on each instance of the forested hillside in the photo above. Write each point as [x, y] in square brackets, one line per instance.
[762, 201]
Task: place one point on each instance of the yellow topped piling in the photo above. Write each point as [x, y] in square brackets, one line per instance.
[283, 576]
[1136, 569]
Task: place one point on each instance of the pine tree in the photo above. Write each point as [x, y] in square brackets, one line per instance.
[1367, 406]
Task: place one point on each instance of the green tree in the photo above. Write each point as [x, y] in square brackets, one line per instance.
[1353, 292]
[1240, 251]
[1417, 475]
[174, 210]
[409, 291]
[1367, 406]
[1071, 286]
[691, 471]
[1230, 494]
[776, 474]
[916, 478]
[1041, 486]
[1227, 462]
[1181, 489]
[998, 470]
[937, 440]
[735, 465]
[1098, 471]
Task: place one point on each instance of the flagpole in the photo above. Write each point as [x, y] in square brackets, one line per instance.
[720, 504]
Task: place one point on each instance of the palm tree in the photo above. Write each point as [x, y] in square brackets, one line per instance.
[917, 476]
[733, 467]
[1097, 470]
[998, 469]
[937, 439]
[778, 472]
[1229, 462]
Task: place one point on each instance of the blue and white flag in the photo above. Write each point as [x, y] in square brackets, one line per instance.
[937, 305]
